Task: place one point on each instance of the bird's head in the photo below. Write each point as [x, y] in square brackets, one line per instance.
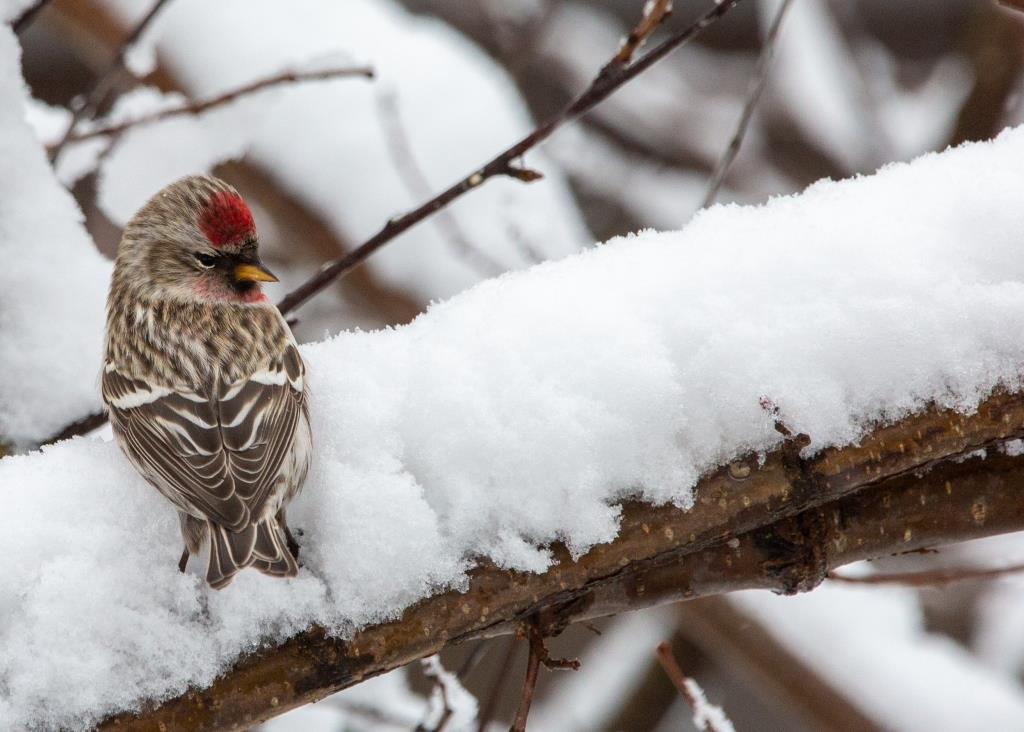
[194, 240]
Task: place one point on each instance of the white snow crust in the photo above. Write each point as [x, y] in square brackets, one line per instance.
[707, 716]
[53, 282]
[521, 411]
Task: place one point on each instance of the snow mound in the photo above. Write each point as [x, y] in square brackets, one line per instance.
[53, 282]
[521, 411]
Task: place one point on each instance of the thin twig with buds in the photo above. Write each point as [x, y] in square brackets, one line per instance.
[205, 105]
[103, 85]
[538, 655]
[757, 84]
[612, 76]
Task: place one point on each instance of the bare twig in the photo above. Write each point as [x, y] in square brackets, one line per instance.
[25, 19]
[538, 656]
[612, 76]
[415, 182]
[204, 105]
[105, 82]
[529, 686]
[757, 85]
[932, 577]
[691, 692]
[491, 702]
[674, 673]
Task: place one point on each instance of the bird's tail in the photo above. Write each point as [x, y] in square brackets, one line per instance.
[261, 545]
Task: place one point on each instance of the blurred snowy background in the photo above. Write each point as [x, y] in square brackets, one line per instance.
[854, 85]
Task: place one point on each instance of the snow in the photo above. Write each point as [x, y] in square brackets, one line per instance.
[521, 411]
[448, 697]
[459, 110]
[885, 662]
[52, 284]
[706, 716]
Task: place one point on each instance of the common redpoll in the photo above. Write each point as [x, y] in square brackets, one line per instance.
[204, 383]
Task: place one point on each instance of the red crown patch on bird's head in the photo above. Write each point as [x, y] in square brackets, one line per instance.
[226, 219]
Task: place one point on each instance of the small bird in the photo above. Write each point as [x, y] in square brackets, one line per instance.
[203, 380]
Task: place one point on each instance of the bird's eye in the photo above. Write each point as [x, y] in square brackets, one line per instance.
[206, 260]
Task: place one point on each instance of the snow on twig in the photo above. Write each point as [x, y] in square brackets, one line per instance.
[706, 716]
[538, 656]
[449, 700]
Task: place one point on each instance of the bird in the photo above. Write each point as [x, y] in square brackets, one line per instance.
[203, 380]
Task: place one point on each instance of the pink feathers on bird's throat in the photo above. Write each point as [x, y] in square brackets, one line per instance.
[226, 219]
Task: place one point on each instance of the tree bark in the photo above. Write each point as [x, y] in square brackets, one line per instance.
[779, 525]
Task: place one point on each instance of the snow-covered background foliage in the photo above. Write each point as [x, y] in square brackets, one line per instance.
[520, 409]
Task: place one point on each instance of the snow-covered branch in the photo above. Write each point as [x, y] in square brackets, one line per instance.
[780, 526]
[580, 439]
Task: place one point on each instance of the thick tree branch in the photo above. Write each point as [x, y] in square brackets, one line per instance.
[612, 76]
[775, 526]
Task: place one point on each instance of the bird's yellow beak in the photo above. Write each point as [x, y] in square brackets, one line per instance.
[253, 273]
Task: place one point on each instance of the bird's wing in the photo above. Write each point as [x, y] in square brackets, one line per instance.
[216, 455]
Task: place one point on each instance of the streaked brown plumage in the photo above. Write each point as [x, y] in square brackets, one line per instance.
[204, 383]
